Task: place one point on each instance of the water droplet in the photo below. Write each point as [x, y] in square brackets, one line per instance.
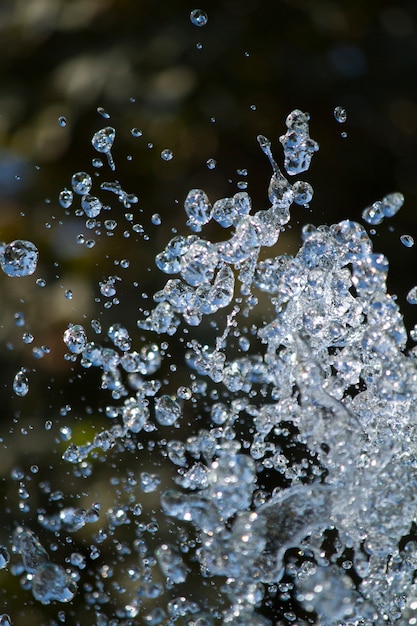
[167, 155]
[65, 198]
[62, 121]
[19, 319]
[136, 132]
[4, 558]
[81, 183]
[412, 295]
[198, 209]
[19, 258]
[52, 583]
[167, 410]
[407, 241]
[103, 142]
[103, 113]
[303, 192]
[21, 383]
[91, 206]
[156, 219]
[211, 163]
[27, 337]
[198, 17]
[340, 114]
[75, 338]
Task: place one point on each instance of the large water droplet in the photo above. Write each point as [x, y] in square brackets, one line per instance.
[19, 258]
[81, 183]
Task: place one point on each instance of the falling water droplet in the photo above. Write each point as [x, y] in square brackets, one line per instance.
[412, 295]
[81, 183]
[198, 17]
[167, 155]
[407, 241]
[19, 258]
[340, 114]
[103, 142]
[65, 198]
[103, 113]
[21, 383]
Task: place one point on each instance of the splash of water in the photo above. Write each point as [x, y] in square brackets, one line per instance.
[310, 438]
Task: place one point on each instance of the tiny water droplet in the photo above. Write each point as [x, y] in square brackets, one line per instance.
[198, 17]
[407, 241]
[340, 114]
[103, 113]
[412, 295]
[167, 155]
[21, 383]
[156, 219]
[211, 163]
[68, 294]
[62, 121]
[136, 132]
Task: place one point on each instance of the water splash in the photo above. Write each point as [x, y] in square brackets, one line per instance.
[308, 434]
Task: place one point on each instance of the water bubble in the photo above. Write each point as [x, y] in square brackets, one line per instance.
[198, 17]
[66, 198]
[340, 114]
[62, 121]
[136, 132]
[156, 219]
[103, 142]
[211, 163]
[167, 155]
[19, 258]
[81, 183]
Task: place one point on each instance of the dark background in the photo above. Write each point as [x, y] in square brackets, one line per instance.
[140, 61]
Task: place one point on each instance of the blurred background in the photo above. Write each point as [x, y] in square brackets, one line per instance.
[205, 94]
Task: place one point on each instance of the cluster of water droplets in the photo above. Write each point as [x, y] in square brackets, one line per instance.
[308, 440]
